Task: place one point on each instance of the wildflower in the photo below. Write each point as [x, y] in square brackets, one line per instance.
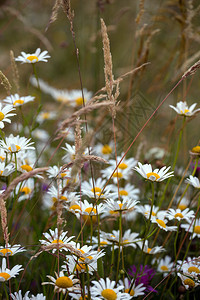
[18, 296]
[56, 172]
[165, 265]
[2, 155]
[193, 228]
[183, 109]
[94, 188]
[127, 163]
[5, 114]
[189, 281]
[55, 237]
[192, 180]
[17, 100]
[33, 57]
[6, 274]
[183, 204]
[103, 242]
[156, 175]
[89, 212]
[120, 174]
[195, 151]
[25, 189]
[44, 115]
[11, 250]
[191, 266]
[76, 99]
[128, 239]
[104, 150]
[179, 214]
[136, 290]
[6, 170]
[15, 144]
[145, 210]
[63, 283]
[105, 289]
[144, 275]
[148, 250]
[160, 220]
[128, 191]
[125, 206]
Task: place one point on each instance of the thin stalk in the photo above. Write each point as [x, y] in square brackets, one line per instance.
[120, 238]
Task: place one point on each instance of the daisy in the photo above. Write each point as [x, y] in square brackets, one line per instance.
[41, 135]
[95, 187]
[128, 191]
[165, 265]
[189, 281]
[194, 228]
[76, 99]
[193, 181]
[191, 266]
[70, 156]
[2, 155]
[16, 144]
[18, 296]
[58, 172]
[11, 250]
[127, 163]
[179, 214]
[105, 289]
[128, 239]
[88, 212]
[195, 152]
[104, 150]
[183, 204]
[120, 174]
[136, 290]
[183, 109]
[33, 57]
[6, 170]
[63, 283]
[156, 175]
[6, 274]
[161, 221]
[25, 189]
[145, 210]
[103, 242]
[148, 250]
[115, 207]
[17, 100]
[5, 114]
[45, 115]
[62, 96]
[53, 237]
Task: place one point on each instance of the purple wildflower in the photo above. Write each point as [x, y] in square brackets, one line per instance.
[144, 275]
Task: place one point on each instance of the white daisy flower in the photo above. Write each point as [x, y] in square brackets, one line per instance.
[194, 181]
[53, 237]
[145, 210]
[70, 155]
[5, 114]
[189, 281]
[18, 296]
[45, 115]
[41, 135]
[183, 204]
[6, 170]
[63, 283]
[129, 191]
[104, 150]
[17, 100]
[25, 189]
[160, 220]
[89, 189]
[183, 109]
[191, 266]
[6, 274]
[115, 207]
[194, 228]
[105, 289]
[156, 175]
[179, 215]
[136, 290]
[76, 99]
[148, 250]
[103, 242]
[58, 172]
[2, 155]
[120, 174]
[78, 295]
[165, 265]
[128, 239]
[15, 144]
[127, 163]
[88, 212]
[33, 57]
[11, 250]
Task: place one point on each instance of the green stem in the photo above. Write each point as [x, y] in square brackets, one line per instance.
[119, 250]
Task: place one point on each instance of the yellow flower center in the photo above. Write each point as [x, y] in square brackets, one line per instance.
[25, 190]
[103, 243]
[153, 174]
[164, 268]
[123, 166]
[189, 282]
[125, 242]
[75, 206]
[109, 294]
[1, 116]
[132, 293]
[79, 101]
[197, 229]
[196, 149]
[106, 149]
[161, 223]
[64, 282]
[149, 250]
[118, 174]
[2, 158]
[63, 198]
[193, 269]
[32, 57]
[123, 193]
[46, 115]
[6, 276]
[185, 111]
[1, 172]
[17, 148]
[97, 190]
[88, 218]
[19, 101]
[80, 267]
[26, 168]
[182, 206]
[5, 252]
[63, 175]
[120, 205]
[57, 242]
[147, 212]
[62, 99]
[178, 215]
